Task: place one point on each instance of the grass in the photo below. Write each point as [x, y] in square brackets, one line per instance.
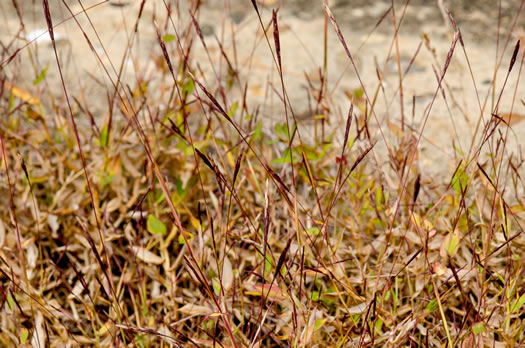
[178, 216]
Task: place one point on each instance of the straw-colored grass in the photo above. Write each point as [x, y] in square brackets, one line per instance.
[199, 225]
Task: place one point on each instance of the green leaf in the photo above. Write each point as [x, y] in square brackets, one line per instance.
[319, 323]
[450, 244]
[313, 231]
[387, 296]
[181, 240]
[284, 270]
[432, 306]
[189, 86]
[460, 180]
[478, 328]
[267, 264]
[279, 129]
[139, 340]
[233, 109]
[24, 334]
[104, 136]
[350, 143]
[287, 158]
[257, 133]
[107, 179]
[326, 147]
[459, 151]
[518, 304]
[282, 131]
[359, 93]
[159, 196]
[310, 153]
[315, 296]
[180, 191]
[155, 226]
[179, 188]
[216, 286]
[10, 301]
[41, 76]
[168, 37]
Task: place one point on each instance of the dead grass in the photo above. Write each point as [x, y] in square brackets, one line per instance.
[195, 224]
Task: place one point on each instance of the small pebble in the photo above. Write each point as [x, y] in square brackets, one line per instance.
[207, 29]
[237, 16]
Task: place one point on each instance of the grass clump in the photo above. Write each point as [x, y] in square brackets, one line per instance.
[167, 210]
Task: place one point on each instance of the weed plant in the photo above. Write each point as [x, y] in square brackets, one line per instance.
[165, 211]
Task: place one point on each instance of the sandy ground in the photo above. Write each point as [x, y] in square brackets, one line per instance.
[448, 126]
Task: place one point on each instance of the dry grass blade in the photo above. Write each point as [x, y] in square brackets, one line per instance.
[242, 177]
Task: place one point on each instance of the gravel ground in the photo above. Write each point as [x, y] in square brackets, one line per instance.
[450, 124]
